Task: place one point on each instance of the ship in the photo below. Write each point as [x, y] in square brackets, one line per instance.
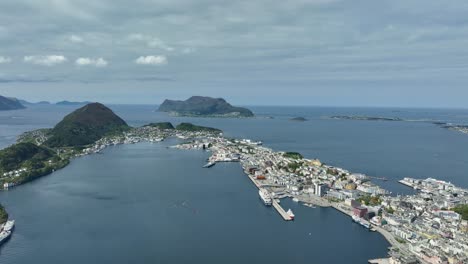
[265, 197]
[4, 235]
[9, 225]
[290, 214]
[361, 221]
[209, 165]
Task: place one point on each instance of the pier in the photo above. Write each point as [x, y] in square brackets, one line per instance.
[281, 211]
[278, 207]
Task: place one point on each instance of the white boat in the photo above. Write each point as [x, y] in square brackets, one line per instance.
[209, 165]
[9, 225]
[265, 197]
[290, 214]
[295, 200]
[4, 235]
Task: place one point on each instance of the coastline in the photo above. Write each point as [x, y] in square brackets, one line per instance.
[252, 155]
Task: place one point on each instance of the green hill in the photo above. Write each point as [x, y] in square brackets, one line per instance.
[86, 125]
[194, 128]
[24, 155]
[204, 106]
[161, 125]
[10, 104]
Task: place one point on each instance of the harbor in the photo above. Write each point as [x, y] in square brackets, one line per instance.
[281, 175]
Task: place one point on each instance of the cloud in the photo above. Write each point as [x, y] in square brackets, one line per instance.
[75, 39]
[99, 62]
[152, 42]
[152, 60]
[188, 50]
[49, 60]
[4, 60]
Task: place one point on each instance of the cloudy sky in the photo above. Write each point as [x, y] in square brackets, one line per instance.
[303, 52]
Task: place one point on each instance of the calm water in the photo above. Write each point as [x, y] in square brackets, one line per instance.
[145, 203]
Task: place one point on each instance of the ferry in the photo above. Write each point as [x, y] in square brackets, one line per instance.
[290, 214]
[265, 197]
[9, 225]
[361, 221]
[209, 165]
[4, 235]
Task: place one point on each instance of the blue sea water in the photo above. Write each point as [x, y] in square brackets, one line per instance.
[145, 203]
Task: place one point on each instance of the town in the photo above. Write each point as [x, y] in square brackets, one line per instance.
[421, 228]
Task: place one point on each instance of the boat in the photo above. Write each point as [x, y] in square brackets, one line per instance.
[309, 205]
[295, 200]
[4, 235]
[361, 221]
[209, 165]
[265, 197]
[9, 225]
[290, 214]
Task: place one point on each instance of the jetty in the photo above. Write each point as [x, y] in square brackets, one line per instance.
[380, 261]
[281, 211]
[276, 205]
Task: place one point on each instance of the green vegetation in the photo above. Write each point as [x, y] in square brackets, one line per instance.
[462, 210]
[23, 155]
[370, 200]
[293, 166]
[161, 125]
[85, 126]
[194, 128]
[293, 155]
[204, 106]
[3, 215]
[400, 240]
[37, 160]
[390, 210]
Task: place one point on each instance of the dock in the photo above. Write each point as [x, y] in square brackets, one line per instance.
[281, 211]
[379, 261]
[276, 205]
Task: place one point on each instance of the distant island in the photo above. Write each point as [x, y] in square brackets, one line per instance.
[10, 104]
[298, 119]
[72, 103]
[368, 118]
[204, 107]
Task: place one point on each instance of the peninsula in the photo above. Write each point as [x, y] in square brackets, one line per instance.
[86, 130]
[10, 104]
[203, 107]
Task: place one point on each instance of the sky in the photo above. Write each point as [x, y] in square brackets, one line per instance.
[403, 53]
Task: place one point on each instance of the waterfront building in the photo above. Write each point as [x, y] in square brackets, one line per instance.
[359, 211]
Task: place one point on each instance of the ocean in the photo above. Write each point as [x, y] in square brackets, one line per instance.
[145, 203]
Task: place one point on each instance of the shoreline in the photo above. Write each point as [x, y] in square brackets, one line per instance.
[274, 170]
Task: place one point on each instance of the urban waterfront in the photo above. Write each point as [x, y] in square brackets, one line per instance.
[136, 203]
[194, 190]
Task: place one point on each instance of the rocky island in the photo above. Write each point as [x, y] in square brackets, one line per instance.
[203, 107]
[298, 119]
[10, 104]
